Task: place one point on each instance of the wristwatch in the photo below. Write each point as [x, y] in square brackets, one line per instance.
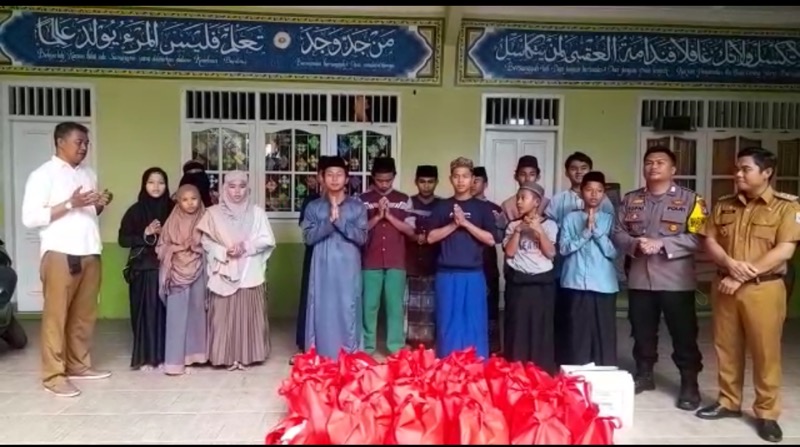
[68, 205]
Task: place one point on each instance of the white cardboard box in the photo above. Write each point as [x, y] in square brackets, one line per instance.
[612, 390]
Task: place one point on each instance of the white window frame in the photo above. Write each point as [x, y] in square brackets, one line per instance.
[391, 130]
[259, 128]
[705, 138]
[558, 182]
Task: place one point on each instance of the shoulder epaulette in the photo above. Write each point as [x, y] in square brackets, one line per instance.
[784, 196]
[727, 197]
[635, 192]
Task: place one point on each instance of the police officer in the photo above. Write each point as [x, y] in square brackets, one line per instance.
[656, 227]
[751, 236]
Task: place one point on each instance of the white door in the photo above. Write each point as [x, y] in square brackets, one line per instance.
[501, 152]
[31, 145]
[504, 148]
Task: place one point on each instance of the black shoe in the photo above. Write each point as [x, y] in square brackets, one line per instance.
[717, 411]
[689, 396]
[644, 382]
[769, 430]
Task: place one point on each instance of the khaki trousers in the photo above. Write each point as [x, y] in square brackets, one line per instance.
[750, 320]
[70, 311]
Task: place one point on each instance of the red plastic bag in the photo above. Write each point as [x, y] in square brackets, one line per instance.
[596, 430]
[551, 431]
[412, 363]
[539, 378]
[496, 373]
[576, 410]
[408, 386]
[517, 386]
[290, 431]
[314, 404]
[418, 421]
[364, 422]
[357, 385]
[481, 424]
[534, 416]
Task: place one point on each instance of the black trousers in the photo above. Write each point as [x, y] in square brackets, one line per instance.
[593, 330]
[492, 273]
[528, 319]
[563, 331]
[644, 313]
[493, 296]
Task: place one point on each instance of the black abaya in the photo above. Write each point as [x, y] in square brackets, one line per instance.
[148, 320]
[148, 313]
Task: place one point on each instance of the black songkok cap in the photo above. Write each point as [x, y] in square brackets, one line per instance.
[332, 162]
[427, 171]
[382, 165]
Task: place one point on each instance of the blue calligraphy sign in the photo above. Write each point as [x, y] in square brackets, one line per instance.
[151, 43]
[626, 56]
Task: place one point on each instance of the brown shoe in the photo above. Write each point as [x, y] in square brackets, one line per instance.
[63, 389]
[89, 374]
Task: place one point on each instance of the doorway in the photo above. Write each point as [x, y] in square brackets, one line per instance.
[32, 111]
[502, 149]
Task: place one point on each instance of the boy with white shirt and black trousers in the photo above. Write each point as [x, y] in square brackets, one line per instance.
[530, 295]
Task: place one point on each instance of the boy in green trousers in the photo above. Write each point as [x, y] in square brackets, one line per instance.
[384, 269]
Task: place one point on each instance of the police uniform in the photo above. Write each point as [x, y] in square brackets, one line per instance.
[753, 317]
[663, 282]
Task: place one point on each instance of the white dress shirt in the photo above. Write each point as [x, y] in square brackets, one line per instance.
[77, 232]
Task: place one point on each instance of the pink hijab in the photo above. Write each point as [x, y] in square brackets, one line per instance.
[237, 215]
[179, 248]
[227, 224]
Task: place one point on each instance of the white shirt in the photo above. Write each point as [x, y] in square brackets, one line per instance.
[77, 232]
[529, 257]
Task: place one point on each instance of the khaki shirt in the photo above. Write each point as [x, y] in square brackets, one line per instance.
[748, 230]
[673, 218]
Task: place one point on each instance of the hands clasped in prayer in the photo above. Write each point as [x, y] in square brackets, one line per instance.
[458, 216]
[153, 228]
[237, 250]
[530, 225]
[334, 210]
[81, 199]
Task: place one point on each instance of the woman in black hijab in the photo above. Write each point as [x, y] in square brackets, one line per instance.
[194, 173]
[139, 232]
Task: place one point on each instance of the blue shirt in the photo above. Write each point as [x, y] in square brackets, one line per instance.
[460, 250]
[560, 206]
[588, 257]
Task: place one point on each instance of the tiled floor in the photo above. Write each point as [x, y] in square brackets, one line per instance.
[219, 407]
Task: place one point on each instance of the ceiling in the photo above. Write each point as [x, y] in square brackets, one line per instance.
[721, 16]
[775, 16]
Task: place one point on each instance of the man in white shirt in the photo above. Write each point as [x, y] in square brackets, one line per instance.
[62, 201]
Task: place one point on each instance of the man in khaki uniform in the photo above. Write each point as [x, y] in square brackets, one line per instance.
[751, 236]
